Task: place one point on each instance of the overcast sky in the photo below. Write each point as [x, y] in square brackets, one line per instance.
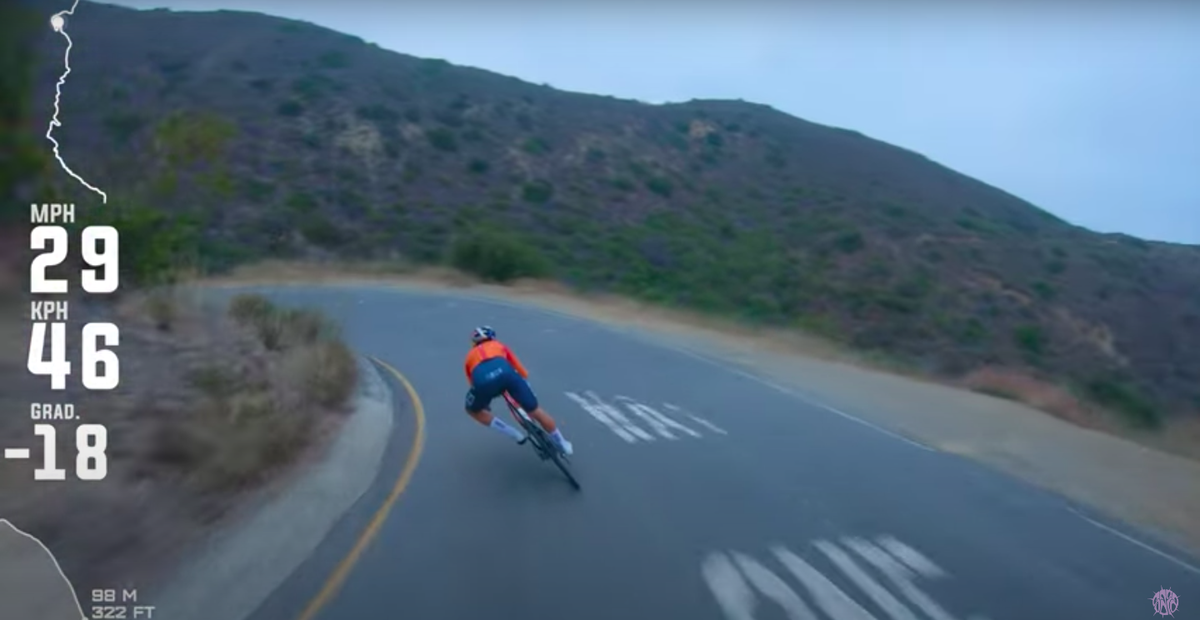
[1086, 109]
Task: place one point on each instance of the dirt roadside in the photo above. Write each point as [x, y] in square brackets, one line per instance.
[1126, 479]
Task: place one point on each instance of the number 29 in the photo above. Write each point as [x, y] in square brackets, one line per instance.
[100, 280]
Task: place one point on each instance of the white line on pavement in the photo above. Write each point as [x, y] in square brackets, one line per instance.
[899, 575]
[1126, 537]
[774, 588]
[890, 604]
[602, 417]
[709, 425]
[662, 419]
[620, 417]
[828, 596]
[911, 557]
[654, 423]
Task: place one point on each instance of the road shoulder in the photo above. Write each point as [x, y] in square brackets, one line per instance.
[243, 563]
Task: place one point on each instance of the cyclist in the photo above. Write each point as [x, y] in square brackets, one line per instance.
[492, 370]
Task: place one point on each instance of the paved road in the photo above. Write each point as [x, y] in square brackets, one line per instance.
[707, 496]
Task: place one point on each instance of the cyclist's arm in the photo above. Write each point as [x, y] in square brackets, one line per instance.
[516, 363]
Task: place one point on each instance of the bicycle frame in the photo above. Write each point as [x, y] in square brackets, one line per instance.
[542, 446]
[536, 434]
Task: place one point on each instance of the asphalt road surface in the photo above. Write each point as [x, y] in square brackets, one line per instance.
[707, 495]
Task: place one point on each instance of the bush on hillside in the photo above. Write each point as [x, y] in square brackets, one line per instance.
[1124, 399]
[498, 257]
[154, 246]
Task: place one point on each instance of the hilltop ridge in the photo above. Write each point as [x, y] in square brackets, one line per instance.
[280, 139]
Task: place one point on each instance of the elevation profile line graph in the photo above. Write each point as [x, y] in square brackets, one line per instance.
[58, 22]
[42, 588]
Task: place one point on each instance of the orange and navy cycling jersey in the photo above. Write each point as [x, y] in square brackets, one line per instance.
[489, 350]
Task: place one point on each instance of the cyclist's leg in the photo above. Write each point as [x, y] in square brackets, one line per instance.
[477, 404]
[519, 389]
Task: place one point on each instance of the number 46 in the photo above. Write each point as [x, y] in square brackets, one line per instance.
[93, 357]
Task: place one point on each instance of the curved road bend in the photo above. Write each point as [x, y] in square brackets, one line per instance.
[706, 496]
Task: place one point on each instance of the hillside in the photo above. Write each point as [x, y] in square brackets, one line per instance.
[281, 139]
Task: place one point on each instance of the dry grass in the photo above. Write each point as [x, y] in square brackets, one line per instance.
[1180, 436]
[212, 406]
[1037, 393]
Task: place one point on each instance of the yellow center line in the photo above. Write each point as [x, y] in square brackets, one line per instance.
[339, 574]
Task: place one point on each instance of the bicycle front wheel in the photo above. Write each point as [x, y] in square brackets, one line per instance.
[560, 460]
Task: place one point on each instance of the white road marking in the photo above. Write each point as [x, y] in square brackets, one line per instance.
[733, 583]
[655, 414]
[654, 423]
[899, 575]
[867, 424]
[1162, 554]
[911, 557]
[802, 397]
[697, 419]
[602, 417]
[620, 417]
[831, 599]
[706, 424]
[774, 588]
[733, 594]
[884, 599]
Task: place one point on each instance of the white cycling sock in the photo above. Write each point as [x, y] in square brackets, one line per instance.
[558, 436]
[507, 429]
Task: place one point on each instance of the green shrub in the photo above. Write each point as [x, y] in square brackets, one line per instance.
[281, 328]
[378, 113]
[442, 139]
[301, 202]
[535, 146]
[321, 231]
[289, 108]
[188, 137]
[623, 184]
[154, 245]
[257, 191]
[498, 257]
[478, 166]
[659, 186]
[1125, 400]
[333, 59]
[1030, 339]
[312, 86]
[537, 191]
[1044, 290]
[123, 125]
[850, 242]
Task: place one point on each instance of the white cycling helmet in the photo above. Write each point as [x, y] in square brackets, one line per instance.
[482, 333]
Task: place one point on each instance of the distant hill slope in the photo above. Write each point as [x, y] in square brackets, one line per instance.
[285, 139]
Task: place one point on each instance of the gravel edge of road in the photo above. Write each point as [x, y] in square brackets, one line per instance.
[244, 562]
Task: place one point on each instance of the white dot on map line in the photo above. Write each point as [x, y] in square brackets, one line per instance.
[57, 22]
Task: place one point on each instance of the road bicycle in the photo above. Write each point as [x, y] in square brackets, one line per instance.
[543, 446]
